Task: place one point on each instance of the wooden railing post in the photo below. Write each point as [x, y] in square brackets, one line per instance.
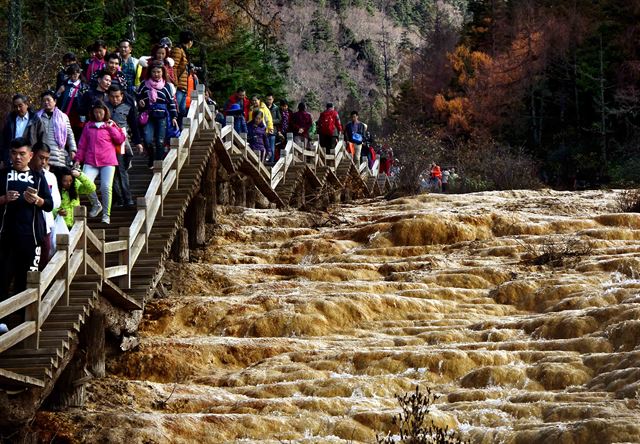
[245, 144]
[80, 216]
[142, 205]
[62, 242]
[100, 234]
[32, 311]
[187, 125]
[175, 145]
[125, 256]
[231, 124]
[157, 169]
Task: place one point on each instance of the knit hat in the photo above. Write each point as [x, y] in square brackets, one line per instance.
[166, 41]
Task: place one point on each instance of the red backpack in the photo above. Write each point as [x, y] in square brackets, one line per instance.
[327, 123]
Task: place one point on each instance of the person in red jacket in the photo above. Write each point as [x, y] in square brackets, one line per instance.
[300, 124]
[329, 128]
[97, 151]
[239, 97]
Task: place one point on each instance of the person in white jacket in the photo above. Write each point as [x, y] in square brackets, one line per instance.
[40, 162]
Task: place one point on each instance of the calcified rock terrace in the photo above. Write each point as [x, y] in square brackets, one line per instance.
[297, 327]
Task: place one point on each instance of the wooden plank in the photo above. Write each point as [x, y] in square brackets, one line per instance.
[154, 186]
[11, 379]
[168, 183]
[137, 224]
[115, 246]
[115, 271]
[18, 301]
[118, 297]
[50, 299]
[93, 265]
[16, 335]
[137, 247]
[75, 234]
[53, 267]
[168, 161]
[91, 237]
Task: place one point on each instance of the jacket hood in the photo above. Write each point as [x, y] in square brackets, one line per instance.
[144, 61]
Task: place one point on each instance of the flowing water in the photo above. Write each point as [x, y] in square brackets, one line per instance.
[520, 309]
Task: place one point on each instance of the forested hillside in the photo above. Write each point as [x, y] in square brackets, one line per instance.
[551, 83]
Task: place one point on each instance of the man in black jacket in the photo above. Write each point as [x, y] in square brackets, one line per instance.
[24, 195]
[21, 122]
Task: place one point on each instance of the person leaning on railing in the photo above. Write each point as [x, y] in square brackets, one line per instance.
[24, 196]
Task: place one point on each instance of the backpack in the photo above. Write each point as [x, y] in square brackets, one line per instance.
[327, 125]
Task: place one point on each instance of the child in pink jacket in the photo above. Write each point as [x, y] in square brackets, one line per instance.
[100, 139]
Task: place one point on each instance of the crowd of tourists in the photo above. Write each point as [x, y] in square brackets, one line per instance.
[104, 110]
[267, 125]
[436, 179]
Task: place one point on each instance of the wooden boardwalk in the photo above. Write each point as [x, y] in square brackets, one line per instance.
[123, 262]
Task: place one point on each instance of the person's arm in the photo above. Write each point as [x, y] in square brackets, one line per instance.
[338, 124]
[43, 198]
[71, 141]
[171, 104]
[55, 193]
[85, 185]
[132, 122]
[116, 133]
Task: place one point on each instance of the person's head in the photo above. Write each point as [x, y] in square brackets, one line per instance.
[125, 48]
[166, 43]
[329, 105]
[302, 106]
[48, 99]
[20, 104]
[186, 38]
[255, 102]
[157, 72]
[41, 155]
[159, 52]
[104, 80]
[284, 105]
[68, 59]
[99, 112]
[354, 116]
[269, 100]
[241, 93]
[116, 95]
[257, 117]
[73, 71]
[21, 153]
[113, 63]
[66, 182]
[100, 48]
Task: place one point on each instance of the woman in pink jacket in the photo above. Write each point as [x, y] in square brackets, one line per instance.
[100, 139]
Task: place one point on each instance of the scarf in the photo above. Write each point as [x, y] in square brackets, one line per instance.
[153, 88]
[59, 126]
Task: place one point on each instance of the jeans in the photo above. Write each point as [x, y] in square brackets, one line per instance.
[271, 149]
[154, 134]
[121, 189]
[181, 99]
[106, 183]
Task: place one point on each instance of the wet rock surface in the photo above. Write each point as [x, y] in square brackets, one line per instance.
[297, 327]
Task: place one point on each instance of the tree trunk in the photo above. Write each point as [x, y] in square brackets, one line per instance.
[14, 37]
[195, 221]
[181, 246]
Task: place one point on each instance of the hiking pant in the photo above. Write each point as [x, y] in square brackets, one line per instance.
[18, 255]
[155, 132]
[271, 149]
[328, 142]
[121, 189]
[181, 100]
[106, 174]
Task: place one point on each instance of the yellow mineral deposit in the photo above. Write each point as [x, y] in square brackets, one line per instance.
[521, 309]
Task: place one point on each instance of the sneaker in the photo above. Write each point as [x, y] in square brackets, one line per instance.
[95, 210]
[106, 219]
[3, 329]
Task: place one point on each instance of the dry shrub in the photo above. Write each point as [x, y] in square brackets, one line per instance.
[485, 165]
[414, 424]
[567, 251]
[628, 201]
[34, 75]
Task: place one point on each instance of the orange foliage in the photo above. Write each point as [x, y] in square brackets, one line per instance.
[217, 20]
